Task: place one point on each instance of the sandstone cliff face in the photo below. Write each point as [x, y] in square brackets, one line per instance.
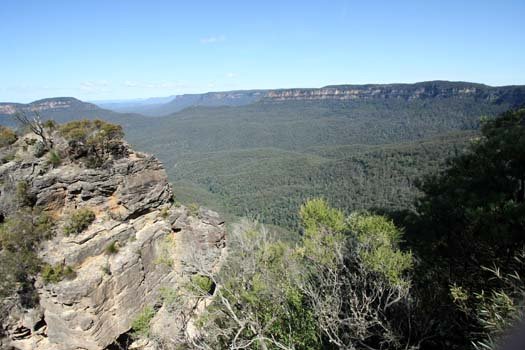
[151, 237]
[435, 89]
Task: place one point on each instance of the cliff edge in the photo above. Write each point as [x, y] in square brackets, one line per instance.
[116, 237]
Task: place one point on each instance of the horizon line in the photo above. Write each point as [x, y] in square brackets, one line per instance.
[130, 99]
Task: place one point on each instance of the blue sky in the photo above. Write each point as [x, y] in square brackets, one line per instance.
[115, 49]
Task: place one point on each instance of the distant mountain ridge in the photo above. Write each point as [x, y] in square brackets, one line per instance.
[180, 102]
[63, 109]
[423, 90]
[47, 104]
[67, 108]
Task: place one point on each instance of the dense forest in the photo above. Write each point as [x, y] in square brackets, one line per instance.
[271, 184]
[441, 272]
[264, 159]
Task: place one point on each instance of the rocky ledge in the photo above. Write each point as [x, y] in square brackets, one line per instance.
[137, 243]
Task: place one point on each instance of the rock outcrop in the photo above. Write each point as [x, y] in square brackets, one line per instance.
[137, 244]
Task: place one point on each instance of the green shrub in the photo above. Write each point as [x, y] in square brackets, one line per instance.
[164, 212]
[112, 248]
[22, 195]
[20, 236]
[50, 124]
[39, 149]
[77, 130]
[379, 240]
[316, 214]
[43, 224]
[25, 229]
[94, 139]
[54, 158]
[193, 209]
[169, 296]
[203, 284]
[7, 136]
[79, 221]
[141, 324]
[57, 273]
[94, 132]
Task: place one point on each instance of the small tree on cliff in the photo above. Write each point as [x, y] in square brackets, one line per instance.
[36, 126]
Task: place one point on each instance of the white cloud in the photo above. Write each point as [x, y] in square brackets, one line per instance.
[213, 39]
[231, 75]
[155, 85]
[95, 86]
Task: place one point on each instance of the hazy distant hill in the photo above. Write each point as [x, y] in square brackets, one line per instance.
[180, 102]
[133, 105]
[64, 109]
[265, 152]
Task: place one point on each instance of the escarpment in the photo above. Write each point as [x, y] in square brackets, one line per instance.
[115, 241]
[405, 92]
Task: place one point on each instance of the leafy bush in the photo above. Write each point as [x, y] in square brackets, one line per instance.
[164, 212]
[23, 230]
[141, 325]
[50, 124]
[22, 195]
[54, 158]
[203, 284]
[79, 221]
[57, 273]
[193, 209]
[328, 291]
[20, 236]
[93, 132]
[169, 296]
[39, 149]
[497, 308]
[95, 139]
[7, 136]
[378, 239]
[316, 214]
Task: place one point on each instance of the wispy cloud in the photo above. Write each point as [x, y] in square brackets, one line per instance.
[155, 85]
[130, 83]
[213, 39]
[94, 86]
[231, 75]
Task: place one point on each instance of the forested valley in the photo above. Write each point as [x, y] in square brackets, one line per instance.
[338, 237]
